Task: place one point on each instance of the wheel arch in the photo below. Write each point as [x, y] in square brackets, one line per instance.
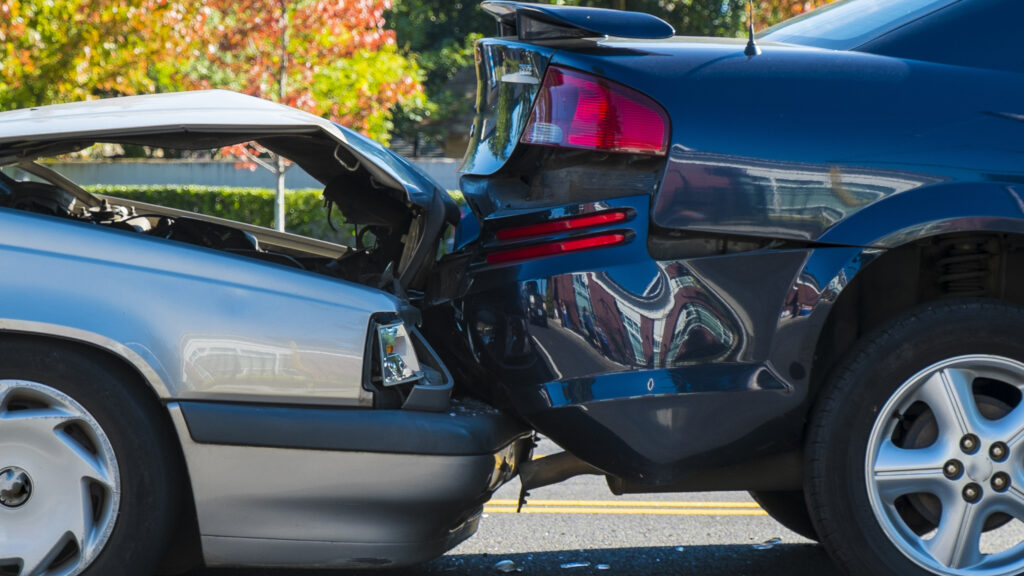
[94, 342]
[959, 262]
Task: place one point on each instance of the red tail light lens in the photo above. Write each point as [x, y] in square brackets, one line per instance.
[553, 248]
[563, 225]
[577, 110]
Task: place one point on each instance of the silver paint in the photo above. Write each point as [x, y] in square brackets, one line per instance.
[185, 115]
[331, 509]
[892, 472]
[196, 323]
[15, 487]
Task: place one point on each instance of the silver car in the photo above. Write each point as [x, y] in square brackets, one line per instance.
[177, 389]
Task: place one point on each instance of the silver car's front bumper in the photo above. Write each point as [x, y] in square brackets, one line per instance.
[302, 493]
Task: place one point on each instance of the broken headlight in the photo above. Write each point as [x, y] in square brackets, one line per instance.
[398, 359]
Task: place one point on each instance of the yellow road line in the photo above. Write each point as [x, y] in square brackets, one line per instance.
[627, 504]
[628, 511]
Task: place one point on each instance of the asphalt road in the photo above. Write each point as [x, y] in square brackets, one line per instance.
[579, 528]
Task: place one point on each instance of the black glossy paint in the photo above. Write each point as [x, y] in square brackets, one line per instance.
[574, 21]
[692, 346]
[512, 74]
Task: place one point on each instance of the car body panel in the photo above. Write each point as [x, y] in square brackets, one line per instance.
[512, 73]
[139, 362]
[294, 507]
[210, 325]
[805, 182]
[643, 355]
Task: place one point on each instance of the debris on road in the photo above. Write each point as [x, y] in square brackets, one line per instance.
[505, 566]
[768, 544]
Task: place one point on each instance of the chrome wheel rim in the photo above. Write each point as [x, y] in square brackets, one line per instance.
[971, 464]
[59, 482]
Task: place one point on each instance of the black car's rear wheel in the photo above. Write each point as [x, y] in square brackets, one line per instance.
[85, 467]
[915, 457]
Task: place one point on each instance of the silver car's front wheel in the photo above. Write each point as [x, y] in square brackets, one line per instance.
[59, 481]
[91, 482]
[946, 463]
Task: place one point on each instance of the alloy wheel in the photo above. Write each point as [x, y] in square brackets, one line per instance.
[935, 493]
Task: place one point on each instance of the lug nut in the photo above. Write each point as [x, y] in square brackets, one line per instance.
[972, 493]
[969, 444]
[1001, 482]
[998, 451]
[953, 469]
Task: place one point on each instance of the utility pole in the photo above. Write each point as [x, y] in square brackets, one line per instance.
[282, 92]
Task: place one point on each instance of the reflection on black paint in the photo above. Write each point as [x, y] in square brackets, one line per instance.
[675, 321]
[740, 195]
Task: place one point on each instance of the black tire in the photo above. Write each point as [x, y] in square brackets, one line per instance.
[139, 434]
[788, 508]
[842, 423]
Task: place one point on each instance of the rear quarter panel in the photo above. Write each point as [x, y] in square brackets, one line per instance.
[791, 143]
[196, 323]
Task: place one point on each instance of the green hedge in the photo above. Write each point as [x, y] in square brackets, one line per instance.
[305, 213]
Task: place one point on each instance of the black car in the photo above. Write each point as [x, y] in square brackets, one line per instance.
[792, 265]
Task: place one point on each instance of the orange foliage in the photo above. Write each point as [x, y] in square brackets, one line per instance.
[772, 11]
[248, 41]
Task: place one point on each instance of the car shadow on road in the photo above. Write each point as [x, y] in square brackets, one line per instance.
[731, 560]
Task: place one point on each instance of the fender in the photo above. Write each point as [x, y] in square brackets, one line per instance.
[933, 210]
[210, 325]
[858, 241]
[142, 360]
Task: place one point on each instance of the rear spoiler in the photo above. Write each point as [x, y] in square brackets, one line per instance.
[532, 22]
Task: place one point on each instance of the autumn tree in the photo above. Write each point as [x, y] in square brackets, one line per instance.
[333, 59]
[55, 51]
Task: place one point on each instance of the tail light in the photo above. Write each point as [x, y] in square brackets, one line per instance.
[554, 248]
[563, 225]
[562, 246]
[577, 110]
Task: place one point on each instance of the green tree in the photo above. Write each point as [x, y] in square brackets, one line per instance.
[333, 59]
[440, 34]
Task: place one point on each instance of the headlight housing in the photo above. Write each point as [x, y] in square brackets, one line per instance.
[399, 363]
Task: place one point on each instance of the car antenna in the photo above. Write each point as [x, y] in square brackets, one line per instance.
[752, 48]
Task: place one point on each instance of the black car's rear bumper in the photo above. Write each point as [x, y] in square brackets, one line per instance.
[652, 369]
